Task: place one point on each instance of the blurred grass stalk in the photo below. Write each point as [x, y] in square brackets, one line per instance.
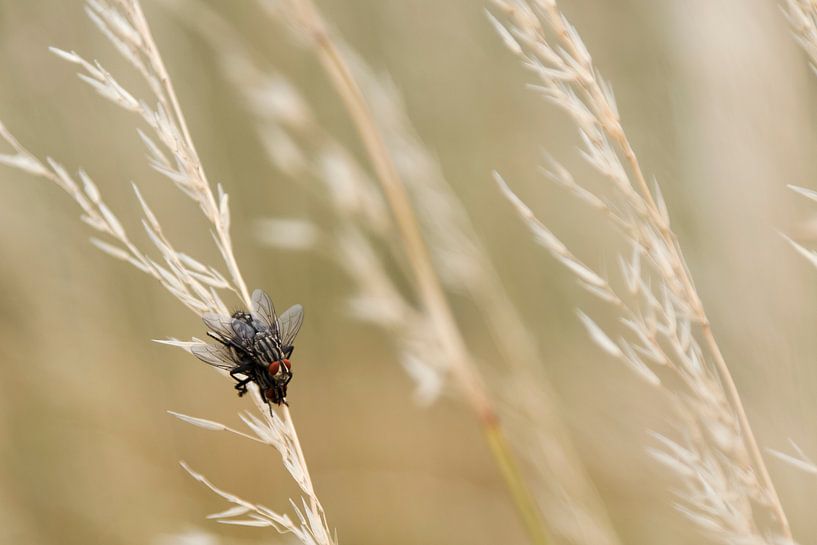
[464, 370]
[303, 149]
[802, 19]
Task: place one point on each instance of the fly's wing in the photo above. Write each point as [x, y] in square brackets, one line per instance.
[228, 328]
[263, 310]
[223, 325]
[217, 356]
[243, 330]
[291, 321]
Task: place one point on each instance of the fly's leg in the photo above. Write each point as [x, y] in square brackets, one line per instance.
[276, 394]
[241, 385]
[282, 390]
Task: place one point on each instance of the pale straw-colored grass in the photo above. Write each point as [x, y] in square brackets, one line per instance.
[665, 335]
[307, 152]
[459, 364]
[802, 18]
[171, 153]
[303, 149]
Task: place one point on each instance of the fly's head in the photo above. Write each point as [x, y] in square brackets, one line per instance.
[279, 370]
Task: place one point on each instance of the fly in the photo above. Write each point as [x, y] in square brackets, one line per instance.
[254, 346]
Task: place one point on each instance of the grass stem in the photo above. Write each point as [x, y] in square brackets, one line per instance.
[431, 292]
[524, 502]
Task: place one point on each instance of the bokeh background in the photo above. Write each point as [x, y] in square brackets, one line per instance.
[719, 104]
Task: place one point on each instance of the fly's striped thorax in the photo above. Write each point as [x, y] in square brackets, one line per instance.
[268, 347]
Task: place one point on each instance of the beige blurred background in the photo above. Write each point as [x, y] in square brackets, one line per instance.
[720, 106]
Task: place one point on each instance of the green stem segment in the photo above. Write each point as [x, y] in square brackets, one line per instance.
[525, 504]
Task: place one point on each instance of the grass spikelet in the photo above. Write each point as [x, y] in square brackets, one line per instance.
[729, 493]
[193, 283]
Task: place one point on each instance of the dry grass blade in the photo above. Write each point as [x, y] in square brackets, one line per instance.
[665, 324]
[799, 460]
[305, 16]
[172, 153]
[802, 18]
[394, 189]
[304, 150]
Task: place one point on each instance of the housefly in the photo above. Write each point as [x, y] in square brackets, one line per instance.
[254, 346]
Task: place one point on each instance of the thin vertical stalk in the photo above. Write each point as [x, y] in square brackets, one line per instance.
[463, 368]
[513, 478]
[748, 435]
[697, 305]
[586, 81]
[313, 498]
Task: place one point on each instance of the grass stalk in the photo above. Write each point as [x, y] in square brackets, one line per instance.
[193, 283]
[610, 120]
[169, 95]
[431, 292]
[550, 47]
[513, 479]
[748, 434]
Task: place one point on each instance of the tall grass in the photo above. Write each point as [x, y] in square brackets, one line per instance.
[171, 152]
[395, 219]
[303, 149]
[802, 18]
[458, 361]
[666, 337]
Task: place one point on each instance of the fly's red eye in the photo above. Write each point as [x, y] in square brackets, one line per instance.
[273, 368]
[287, 363]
